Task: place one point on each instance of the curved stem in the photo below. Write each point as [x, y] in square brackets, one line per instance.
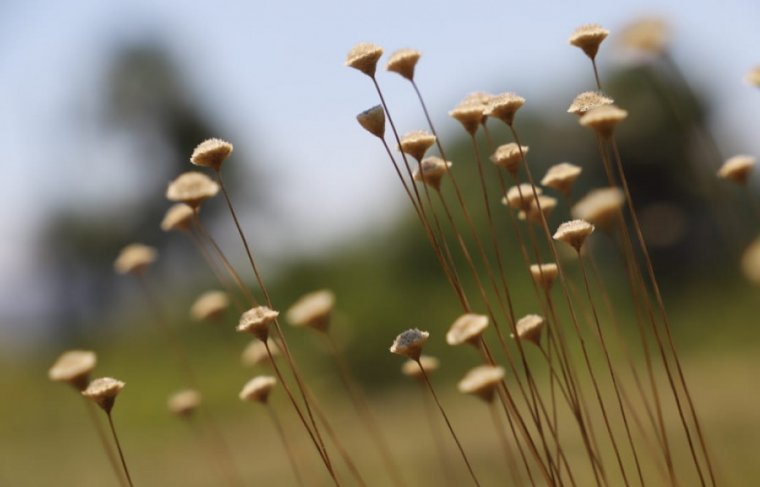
[118, 448]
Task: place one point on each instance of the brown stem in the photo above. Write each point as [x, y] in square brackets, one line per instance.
[118, 448]
[285, 444]
[103, 440]
[504, 441]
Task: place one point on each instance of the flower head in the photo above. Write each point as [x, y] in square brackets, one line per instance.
[258, 389]
[257, 320]
[364, 57]
[313, 310]
[134, 259]
[468, 328]
[211, 153]
[409, 343]
[191, 188]
[482, 381]
[588, 38]
[403, 62]
[103, 392]
[574, 233]
[74, 367]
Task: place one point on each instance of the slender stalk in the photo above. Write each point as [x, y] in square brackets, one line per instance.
[504, 441]
[443, 457]
[118, 448]
[103, 440]
[285, 444]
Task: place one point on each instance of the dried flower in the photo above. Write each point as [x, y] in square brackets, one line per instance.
[561, 177]
[521, 196]
[373, 120]
[588, 37]
[600, 207]
[313, 310]
[737, 169]
[364, 57]
[482, 381]
[417, 143]
[209, 306]
[470, 112]
[409, 343]
[751, 262]
[504, 106]
[258, 389]
[403, 62]
[468, 328]
[530, 327]
[646, 35]
[178, 217]
[509, 157]
[431, 170]
[257, 320]
[411, 368]
[74, 367]
[544, 274]
[211, 153]
[103, 392]
[184, 403]
[588, 100]
[544, 204]
[753, 77]
[574, 233]
[603, 119]
[256, 352]
[191, 188]
[134, 259]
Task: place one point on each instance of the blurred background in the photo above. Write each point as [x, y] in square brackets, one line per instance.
[102, 104]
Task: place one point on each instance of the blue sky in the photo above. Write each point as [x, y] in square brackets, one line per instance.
[274, 71]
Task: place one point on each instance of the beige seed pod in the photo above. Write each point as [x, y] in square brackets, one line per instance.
[646, 35]
[412, 369]
[588, 38]
[547, 204]
[574, 233]
[191, 188]
[256, 321]
[74, 367]
[509, 157]
[544, 274]
[601, 207]
[751, 262]
[403, 62]
[530, 327]
[373, 120]
[504, 106]
[520, 197]
[753, 77]
[588, 100]
[410, 343]
[313, 310]
[603, 119]
[468, 328]
[364, 57]
[134, 259]
[431, 170]
[210, 306]
[417, 143]
[737, 169]
[561, 177]
[482, 381]
[178, 217]
[184, 403]
[256, 353]
[258, 389]
[211, 153]
[469, 114]
[103, 392]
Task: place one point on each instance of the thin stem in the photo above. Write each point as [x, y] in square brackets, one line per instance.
[443, 457]
[91, 412]
[285, 444]
[118, 448]
[504, 441]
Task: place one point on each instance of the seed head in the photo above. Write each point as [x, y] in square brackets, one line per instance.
[256, 321]
[412, 369]
[184, 403]
[561, 177]
[431, 170]
[529, 327]
[737, 169]
[751, 262]
[520, 197]
[256, 353]
[468, 328]
[574, 233]
[544, 204]
[417, 143]
[210, 306]
[103, 392]
[509, 156]
[191, 188]
[258, 389]
[753, 77]
[364, 57]
[134, 259]
[178, 217]
[482, 381]
[504, 106]
[211, 153]
[373, 121]
[469, 114]
[600, 207]
[313, 310]
[588, 37]
[74, 367]
[648, 36]
[409, 343]
[588, 100]
[603, 119]
[403, 62]
[544, 274]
